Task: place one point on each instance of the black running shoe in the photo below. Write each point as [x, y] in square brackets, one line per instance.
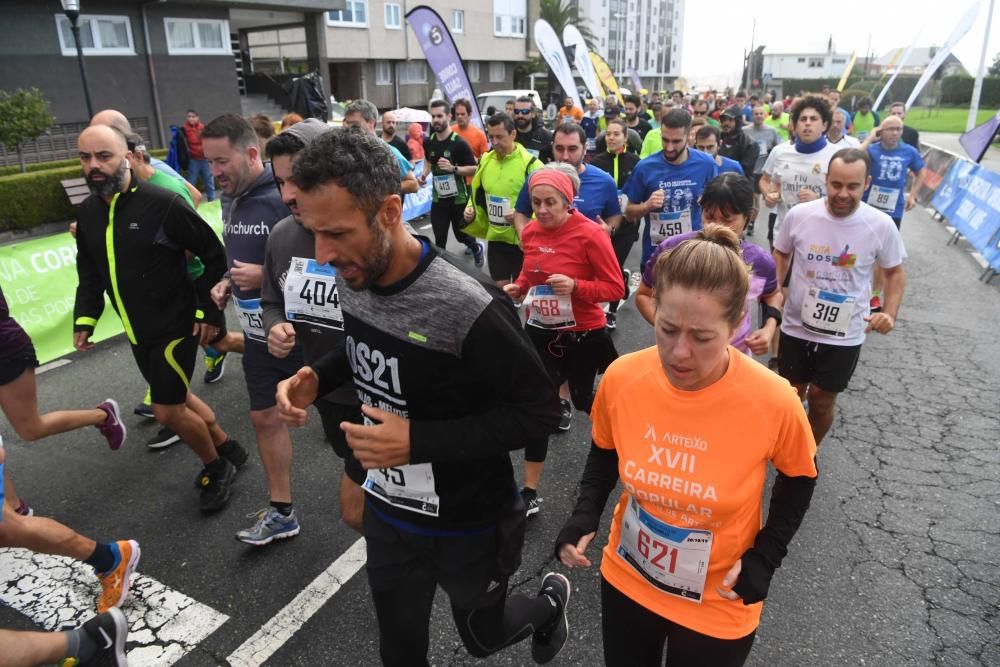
[567, 414]
[108, 631]
[612, 321]
[550, 639]
[216, 487]
[163, 438]
[230, 450]
[532, 503]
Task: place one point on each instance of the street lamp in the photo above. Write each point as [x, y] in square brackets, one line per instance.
[72, 10]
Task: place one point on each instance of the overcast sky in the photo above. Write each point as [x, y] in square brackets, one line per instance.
[717, 33]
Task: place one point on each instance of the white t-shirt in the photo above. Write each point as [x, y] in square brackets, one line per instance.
[832, 267]
[793, 170]
[846, 141]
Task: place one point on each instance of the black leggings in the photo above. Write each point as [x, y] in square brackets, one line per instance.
[446, 214]
[634, 637]
[622, 241]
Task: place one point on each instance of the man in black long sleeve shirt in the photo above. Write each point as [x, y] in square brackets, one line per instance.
[449, 385]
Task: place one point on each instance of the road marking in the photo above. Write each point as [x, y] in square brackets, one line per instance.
[273, 634]
[58, 592]
[52, 365]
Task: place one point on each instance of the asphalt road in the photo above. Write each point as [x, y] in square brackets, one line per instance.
[897, 563]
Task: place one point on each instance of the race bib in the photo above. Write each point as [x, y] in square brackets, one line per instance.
[251, 318]
[622, 201]
[674, 560]
[664, 224]
[548, 310]
[311, 294]
[445, 185]
[591, 144]
[827, 313]
[884, 199]
[532, 152]
[409, 487]
[496, 209]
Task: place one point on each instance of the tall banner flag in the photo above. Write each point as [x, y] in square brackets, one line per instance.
[442, 55]
[895, 73]
[636, 81]
[954, 38]
[573, 39]
[552, 50]
[977, 140]
[847, 71]
[606, 76]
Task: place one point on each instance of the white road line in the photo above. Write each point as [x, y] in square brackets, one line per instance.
[273, 634]
[56, 592]
[52, 365]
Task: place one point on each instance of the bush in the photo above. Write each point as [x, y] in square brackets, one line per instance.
[35, 198]
[958, 90]
[58, 164]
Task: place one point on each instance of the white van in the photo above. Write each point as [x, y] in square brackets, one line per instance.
[498, 98]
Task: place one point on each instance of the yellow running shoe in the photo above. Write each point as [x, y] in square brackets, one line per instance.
[115, 584]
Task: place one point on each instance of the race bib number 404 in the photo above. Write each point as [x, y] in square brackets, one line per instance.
[674, 560]
[664, 224]
[548, 310]
[251, 318]
[310, 294]
[827, 312]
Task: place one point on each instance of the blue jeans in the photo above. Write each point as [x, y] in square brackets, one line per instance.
[200, 167]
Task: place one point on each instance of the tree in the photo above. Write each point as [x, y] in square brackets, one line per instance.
[994, 69]
[24, 115]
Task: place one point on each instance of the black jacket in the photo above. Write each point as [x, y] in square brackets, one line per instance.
[738, 146]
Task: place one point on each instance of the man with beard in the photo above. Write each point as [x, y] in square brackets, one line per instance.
[766, 139]
[733, 143]
[633, 119]
[363, 114]
[131, 240]
[779, 120]
[706, 140]
[251, 206]
[449, 160]
[832, 246]
[448, 386]
[390, 137]
[530, 133]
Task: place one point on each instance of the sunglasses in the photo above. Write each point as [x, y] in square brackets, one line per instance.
[522, 112]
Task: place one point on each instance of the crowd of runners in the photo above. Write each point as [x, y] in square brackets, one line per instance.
[427, 369]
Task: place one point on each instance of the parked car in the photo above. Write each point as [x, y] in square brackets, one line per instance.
[498, 98]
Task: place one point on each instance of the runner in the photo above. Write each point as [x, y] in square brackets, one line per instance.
[449, 160]
[148, 285]
[910, 135]
[733, 143]
[779, 120]
[99, 641]
[633, 119]
[834, 96]
[476, 138]
[837, 135]
[766, 139]
[530, 132]
[620, 164]
[456, 385]
[665, 187]
[300, 302]
[591, 117]
[891, 160]
[832, 246]
[687, 562]
[497, 183]
[569, 269]
[729, 200]
[864, 120]
[706, 140]
[363, 114]
[569, 113]
[390, 136]
[251, 206]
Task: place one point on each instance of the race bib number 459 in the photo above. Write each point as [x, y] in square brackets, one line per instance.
[664, 224]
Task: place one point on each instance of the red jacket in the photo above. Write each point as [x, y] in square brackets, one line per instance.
[582, 250]
[193, 135]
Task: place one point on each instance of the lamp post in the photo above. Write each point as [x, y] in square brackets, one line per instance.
[72, 10]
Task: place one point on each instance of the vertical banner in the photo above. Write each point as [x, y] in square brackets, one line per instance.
[552, 51]
[977, 140]
[442, 55]
[573, 38]
[606, 76]
[847, 71]
[636, 81]
[895, 73]
[954, 38]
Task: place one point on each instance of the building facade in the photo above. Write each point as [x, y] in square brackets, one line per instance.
[777, 66]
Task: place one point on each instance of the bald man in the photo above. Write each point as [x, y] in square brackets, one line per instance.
[117, 120]
[390, 136]
[140, 265]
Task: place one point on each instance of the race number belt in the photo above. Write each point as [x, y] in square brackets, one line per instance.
[251, 318]
[884, 199]
[549, 310]
[827, 313]
[409, 487]
[674, 560]
[664, 224]
[496, 209]
[311, 294]
[445, 185]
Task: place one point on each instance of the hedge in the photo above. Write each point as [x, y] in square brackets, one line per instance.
[958, 90]
[58, 164]
[35, 198]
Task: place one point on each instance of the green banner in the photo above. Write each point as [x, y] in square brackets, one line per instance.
[39, 280]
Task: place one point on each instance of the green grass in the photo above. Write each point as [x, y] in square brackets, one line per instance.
[944, 119]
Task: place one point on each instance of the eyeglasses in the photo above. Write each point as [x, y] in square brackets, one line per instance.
[522, 112]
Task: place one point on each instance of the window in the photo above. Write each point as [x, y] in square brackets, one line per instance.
[816, 62]
[383, 73]
[392, 16]
[457, 20]
[354, 15]
[414, 71]
[99, 35]
[840, 61]
[510, 18]
[197, 37]
[497, 72]
[278, 51]
[517, 26]
[473, 69]
[801, 60]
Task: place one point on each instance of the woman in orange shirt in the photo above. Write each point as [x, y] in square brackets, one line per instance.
[689, 426]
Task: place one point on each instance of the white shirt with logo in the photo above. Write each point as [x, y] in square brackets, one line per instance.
[832, 267]
[791, 171]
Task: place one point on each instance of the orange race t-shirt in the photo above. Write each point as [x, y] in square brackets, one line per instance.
[694, 464]
[473, 136]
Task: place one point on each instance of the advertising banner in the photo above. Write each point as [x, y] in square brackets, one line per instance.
[552, 51]
[606, 76]
[573, 38]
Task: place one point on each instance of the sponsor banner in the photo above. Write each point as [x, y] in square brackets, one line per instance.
[606, 76]
[964, 25]
[969, 197]
[937, 162]
[418, 203]
[552, 51]
[573, 39]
